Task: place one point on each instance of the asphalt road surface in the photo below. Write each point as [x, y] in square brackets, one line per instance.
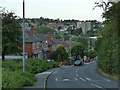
[85, 76]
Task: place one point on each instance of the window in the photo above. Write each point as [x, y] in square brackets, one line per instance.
[33, 45]
[43, 44]
[37, 45]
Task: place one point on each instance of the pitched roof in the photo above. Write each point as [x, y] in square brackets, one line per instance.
[52, 41]
[33, 37]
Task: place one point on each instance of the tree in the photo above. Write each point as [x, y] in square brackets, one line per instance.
[102, 4]
[53, 55]
[92, 53]
[11, 34]
[44, 30]
[59, 54]
[59, 27]
[59, 58]
[107, 44]
[77, 50]
[62, 52]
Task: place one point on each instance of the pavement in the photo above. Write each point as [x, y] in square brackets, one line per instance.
[41, 79]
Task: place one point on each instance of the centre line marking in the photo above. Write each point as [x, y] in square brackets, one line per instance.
[96, 85]
[75, 78]
[77, 75]
[82, 79]
[56, 79]
[88, 79]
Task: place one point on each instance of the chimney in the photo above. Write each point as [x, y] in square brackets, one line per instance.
[62, 39]
[32, 30]
[50, 36]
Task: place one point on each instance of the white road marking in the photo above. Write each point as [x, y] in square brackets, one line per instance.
[77, 70]
[55, 72]
[88, 79]
[56, 79]
[82, 79]
[75, 78]
[66, 79]
[77, 75]
[107, 80]
[96, 85]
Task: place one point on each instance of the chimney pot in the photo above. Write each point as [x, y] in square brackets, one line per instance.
[32, 30]
[50, 36]
[75, 42]
[62, 39]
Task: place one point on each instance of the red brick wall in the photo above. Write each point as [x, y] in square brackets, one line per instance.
[28, 49]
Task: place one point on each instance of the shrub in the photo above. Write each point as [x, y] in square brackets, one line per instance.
[16, 79]
[13, 76]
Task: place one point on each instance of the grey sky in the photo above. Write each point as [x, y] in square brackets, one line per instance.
[63, 9]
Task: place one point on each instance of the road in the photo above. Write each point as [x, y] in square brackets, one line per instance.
[85, 76]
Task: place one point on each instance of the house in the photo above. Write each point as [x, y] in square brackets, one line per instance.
[52, 43]
[35, 44]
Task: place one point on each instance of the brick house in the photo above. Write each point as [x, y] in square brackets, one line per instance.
[35, 44]
[52, 43]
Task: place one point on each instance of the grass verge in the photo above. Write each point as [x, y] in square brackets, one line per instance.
[13, 76]
[114, 76]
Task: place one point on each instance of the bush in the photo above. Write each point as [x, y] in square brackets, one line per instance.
[13, 76]
[16, 79]
[60, 51]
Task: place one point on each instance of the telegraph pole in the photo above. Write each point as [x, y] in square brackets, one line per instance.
[23, 36]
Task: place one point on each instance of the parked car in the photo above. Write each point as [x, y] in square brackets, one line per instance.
[78, 63]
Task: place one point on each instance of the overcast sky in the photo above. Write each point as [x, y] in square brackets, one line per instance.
[53, 9]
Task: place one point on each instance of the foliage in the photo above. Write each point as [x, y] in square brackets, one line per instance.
[107, 45]
[44, 30]
[102, 4]
[16, 79]
[59, 58]
[13, 76]
[59, 54]
[57, 36]
[66, 36]
[77, 50]
[91, 53]
[62, 52]
[74, 31]
[81, 39]
[11, 34]
[53, 55]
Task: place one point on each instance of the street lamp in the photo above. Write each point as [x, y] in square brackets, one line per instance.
[23, 36]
